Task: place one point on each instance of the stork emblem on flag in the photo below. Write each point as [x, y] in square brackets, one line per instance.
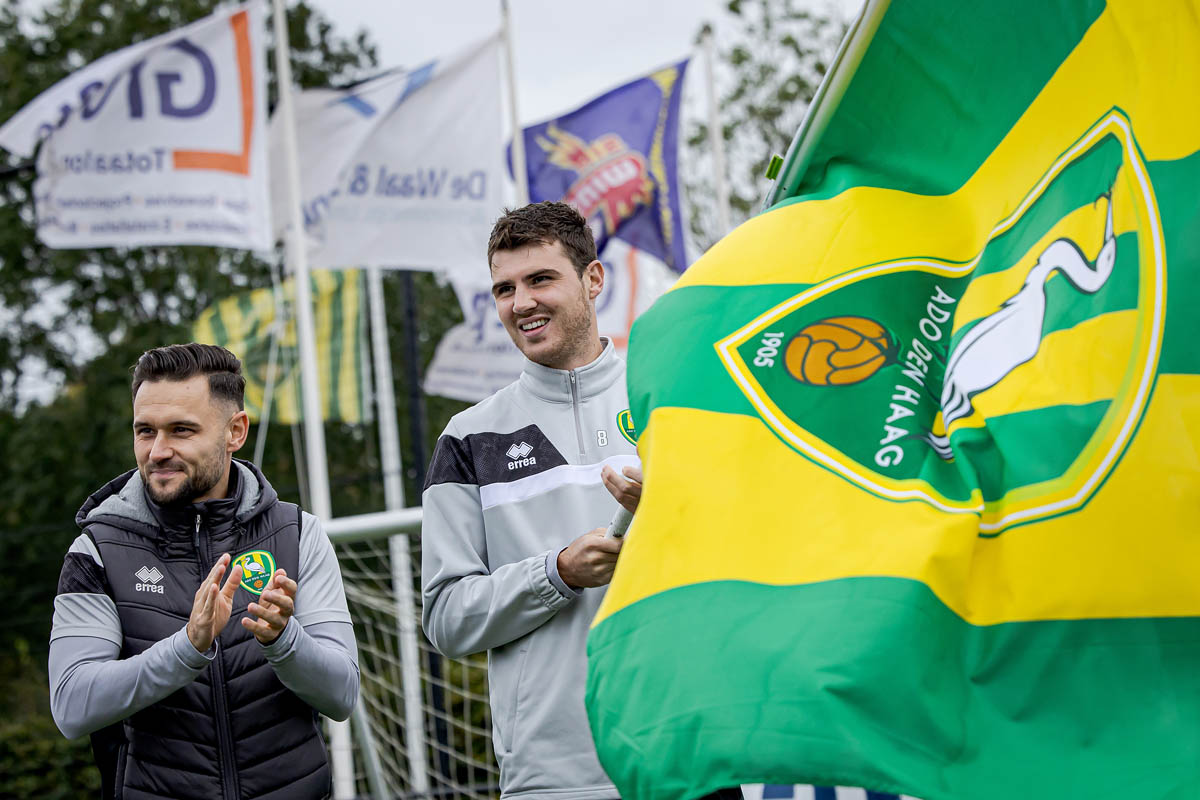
[1049, 335]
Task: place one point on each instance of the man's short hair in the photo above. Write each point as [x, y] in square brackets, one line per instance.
[179, 362]
[544, 223]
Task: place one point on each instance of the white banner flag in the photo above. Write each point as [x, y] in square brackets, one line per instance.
[403, 171]
[477, 357]
[162, 142]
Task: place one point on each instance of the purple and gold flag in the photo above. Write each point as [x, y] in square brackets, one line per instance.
[614, 160]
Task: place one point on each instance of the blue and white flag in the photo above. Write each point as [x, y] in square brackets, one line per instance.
[159, 143]
[402, 171]
[614, 160]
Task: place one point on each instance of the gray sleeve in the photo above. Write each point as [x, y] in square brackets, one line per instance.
[320, 596]
[556, 578]
[90, 687]
[318, 658]
[319, 662]
[466, 607]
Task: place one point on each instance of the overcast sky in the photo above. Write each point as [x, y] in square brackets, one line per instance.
[566, 51]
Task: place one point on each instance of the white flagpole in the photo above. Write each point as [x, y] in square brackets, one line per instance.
[399, 551]
[342, 765]
[278, 326]
[520, 175]
[716, 136]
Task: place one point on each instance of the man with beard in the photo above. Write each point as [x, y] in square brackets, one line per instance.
[200, 622]
[514, 555]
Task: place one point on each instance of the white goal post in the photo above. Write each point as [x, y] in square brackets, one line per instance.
[422, 727]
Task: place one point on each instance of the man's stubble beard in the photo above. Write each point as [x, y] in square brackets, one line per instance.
[208, 473]
[576, 338]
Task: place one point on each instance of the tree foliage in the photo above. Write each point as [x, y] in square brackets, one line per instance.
[84, 316]
[101, 297]
[769, 66]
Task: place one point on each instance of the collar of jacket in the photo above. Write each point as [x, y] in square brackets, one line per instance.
[123, 502]
[554, 385]
[218, 514]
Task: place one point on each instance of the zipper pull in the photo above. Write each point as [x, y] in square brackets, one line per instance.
[196, 535]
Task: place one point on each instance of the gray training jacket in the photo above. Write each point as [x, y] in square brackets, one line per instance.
[513, 481]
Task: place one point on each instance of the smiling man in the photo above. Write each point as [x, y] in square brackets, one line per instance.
[514, 558]
[200, 622]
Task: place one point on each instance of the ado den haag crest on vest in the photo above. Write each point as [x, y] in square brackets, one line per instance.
[1007, 386]
[257, 568]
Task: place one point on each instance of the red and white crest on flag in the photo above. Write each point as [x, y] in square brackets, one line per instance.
[613, 180]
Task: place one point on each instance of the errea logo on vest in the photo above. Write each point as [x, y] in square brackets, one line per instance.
[150, 578]
[519, 453]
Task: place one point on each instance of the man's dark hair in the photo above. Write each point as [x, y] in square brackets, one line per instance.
[179, 362]
[544, 223]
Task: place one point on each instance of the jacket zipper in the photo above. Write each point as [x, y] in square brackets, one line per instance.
[578, 424]
[229, 784]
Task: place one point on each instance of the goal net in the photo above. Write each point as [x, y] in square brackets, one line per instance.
[426, 717]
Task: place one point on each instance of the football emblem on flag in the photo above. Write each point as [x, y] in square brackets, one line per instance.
[838, 351]
[1005, 385]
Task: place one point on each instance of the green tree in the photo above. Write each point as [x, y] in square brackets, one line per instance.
[108, 296]
[84, 316]
[772, 55]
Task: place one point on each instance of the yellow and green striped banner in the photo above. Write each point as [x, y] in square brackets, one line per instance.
[922, 441]
[242, 323]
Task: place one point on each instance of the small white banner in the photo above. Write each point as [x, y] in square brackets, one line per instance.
[403, 171]
[477, 357]
[163, 142]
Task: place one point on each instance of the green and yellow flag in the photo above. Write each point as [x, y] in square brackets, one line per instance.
[922, 441]
[242, 323]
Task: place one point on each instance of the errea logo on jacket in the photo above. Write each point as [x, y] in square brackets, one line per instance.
[518, 453]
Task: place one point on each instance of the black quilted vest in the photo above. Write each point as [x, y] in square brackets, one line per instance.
[235, 732]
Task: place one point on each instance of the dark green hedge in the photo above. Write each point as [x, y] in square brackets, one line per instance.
[37, 763]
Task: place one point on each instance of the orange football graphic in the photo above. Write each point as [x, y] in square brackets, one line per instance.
[839, 351]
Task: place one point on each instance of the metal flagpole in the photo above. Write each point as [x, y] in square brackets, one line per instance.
[520, 175]
[342, 765]
[360, 720]
[716, 134]
[264, 413]
[277, 328]
[398, 544]
[416, 416]
[845, 63]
